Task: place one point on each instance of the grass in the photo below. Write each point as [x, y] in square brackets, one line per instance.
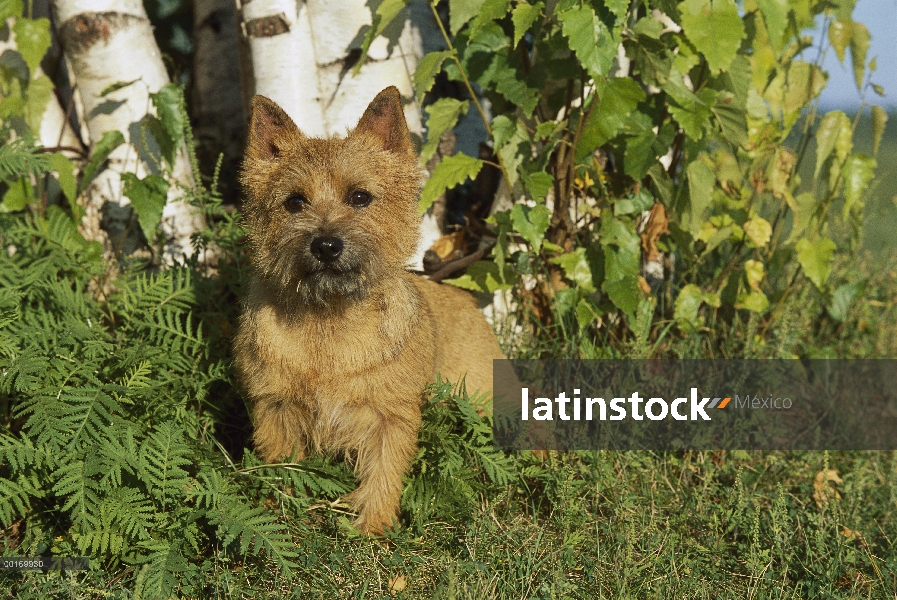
[598, 525]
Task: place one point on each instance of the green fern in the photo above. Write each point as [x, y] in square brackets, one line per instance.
[19, 158]
[162, 457]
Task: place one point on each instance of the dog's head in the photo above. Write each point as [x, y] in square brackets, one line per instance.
[328, 218]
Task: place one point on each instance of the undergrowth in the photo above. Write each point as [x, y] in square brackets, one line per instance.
[124, 440]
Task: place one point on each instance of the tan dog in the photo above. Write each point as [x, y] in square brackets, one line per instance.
[337, 340]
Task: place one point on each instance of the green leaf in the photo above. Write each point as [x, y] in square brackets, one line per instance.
[484, 276]
[754, 272]
[689, 301]
[859, 47]
[101, 151]
[834, 133]
[531, 223]
[775, 15]
[692, 111]
[32, 39]
[839, 36]
[442, 115]
[512, 143]
[804, 207]
[586, 313]
[617, 7]
[590, 39]
[169, 103]
[10, 8]
[538, 185]
[66, 174]
[754, 301]
[462, 11]
[758, 231]
[715, 29]
[616, 99]
[490, 11]
[858, 172]
[157, 130]
[650, 57]
[114, 87]
[576, 268]
[732, 119]
[804, 82]
[879, 121]
[622, 250]
[427, 69]
[148, 197]
[842, 297]
[701, 182]
[636, 203]
[510, 83]
[452, 171]
[40, 92]
[523, 17]
[385, 14]
[816, 258]
[17, 197]
[624, 293]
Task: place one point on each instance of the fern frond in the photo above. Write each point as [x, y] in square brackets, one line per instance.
[162, 456]
[21, 453]
[122, 518]
[20, 157]
[165, 563]
[118, 455]
[75, 480]
[16, 496]
[88, 413]
[255, 528]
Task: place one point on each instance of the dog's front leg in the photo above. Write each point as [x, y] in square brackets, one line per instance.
[383, 457]
[279, 430]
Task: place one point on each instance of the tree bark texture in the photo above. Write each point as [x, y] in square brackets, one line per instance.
[110, 41]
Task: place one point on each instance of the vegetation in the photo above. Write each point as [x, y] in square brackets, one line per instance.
[123, 438]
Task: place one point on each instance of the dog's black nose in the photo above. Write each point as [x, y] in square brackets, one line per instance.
[327, 249]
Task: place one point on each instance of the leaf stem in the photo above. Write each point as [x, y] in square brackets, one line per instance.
[473, 96]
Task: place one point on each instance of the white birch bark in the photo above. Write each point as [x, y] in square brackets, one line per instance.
[109, 41]
[282, 57]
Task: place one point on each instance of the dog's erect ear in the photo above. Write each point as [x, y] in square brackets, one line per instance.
[385, 119]
[270, 129]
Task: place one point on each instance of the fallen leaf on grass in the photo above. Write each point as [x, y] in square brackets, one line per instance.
[397, 584]
[822, 491]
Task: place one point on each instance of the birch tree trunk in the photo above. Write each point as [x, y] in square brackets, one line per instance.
[110, 41]
[282, 56]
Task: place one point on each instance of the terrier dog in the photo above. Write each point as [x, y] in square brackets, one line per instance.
[337, 340]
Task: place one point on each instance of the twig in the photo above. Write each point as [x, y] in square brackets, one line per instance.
[457, 265]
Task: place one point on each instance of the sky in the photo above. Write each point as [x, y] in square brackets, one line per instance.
[880, 16]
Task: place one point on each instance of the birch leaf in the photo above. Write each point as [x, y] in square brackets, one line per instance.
[452, 171]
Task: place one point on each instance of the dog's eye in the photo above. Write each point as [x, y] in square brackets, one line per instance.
[294, 203]
[360, 198]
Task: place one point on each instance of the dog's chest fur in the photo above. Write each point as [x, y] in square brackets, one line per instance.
[329, 372]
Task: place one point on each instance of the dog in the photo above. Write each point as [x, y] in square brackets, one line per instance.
[337, 340]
